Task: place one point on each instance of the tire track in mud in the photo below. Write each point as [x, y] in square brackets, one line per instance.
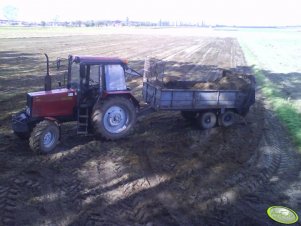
[13, 188]
[276, 160]
[62, 196]
[131, 207]
[268, 162]
[265, 185]
[8, 197]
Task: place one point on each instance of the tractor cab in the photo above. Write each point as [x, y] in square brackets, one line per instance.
[95, 77]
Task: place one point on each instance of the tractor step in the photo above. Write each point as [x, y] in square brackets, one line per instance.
[82, 120]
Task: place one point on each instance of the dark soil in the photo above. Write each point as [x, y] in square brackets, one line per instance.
[167, 172]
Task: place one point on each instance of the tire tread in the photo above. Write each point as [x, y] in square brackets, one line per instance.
[97, 115]
[34, 140]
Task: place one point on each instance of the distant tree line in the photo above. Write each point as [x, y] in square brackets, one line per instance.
[100, 23]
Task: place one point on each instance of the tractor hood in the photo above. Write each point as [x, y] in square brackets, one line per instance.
[51, 92]
[53, 103]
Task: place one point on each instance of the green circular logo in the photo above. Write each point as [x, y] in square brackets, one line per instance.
[282, 214]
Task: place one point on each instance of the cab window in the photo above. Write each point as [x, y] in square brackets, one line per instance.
[95, 74]
[115, 79]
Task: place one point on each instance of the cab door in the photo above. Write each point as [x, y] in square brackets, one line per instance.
[114, 77]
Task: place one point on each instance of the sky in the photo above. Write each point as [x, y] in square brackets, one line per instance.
[227, 12]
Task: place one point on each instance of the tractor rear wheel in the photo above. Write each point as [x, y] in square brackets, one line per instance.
[207, 120]
[113, 118]
[44, 137]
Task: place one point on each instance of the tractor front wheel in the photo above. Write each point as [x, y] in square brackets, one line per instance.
[44, 137]
[113, 118]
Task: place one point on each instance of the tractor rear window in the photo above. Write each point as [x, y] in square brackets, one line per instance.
[115, 79]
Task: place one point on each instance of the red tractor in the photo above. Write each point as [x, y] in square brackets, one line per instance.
[96, 96]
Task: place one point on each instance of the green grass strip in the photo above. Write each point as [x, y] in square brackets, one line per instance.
[285, 110]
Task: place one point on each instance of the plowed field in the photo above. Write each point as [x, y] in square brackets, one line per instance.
[167, 172]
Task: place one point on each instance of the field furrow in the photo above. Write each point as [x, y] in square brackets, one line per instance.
[167, 172]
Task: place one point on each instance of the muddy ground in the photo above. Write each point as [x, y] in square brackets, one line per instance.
[167, 172]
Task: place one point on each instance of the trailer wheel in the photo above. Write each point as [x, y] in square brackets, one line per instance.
[207, 120]
[226, 119]
[113, 118]
[189, 115]
[44, 137]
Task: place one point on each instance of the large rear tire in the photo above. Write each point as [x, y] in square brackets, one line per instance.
[114, 118]
[44, 137]
[207, 120]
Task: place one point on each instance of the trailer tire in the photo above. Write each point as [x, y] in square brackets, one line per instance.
[189, 115]
[226, 119]
[44, 137]
[114, 117]
[207, 120]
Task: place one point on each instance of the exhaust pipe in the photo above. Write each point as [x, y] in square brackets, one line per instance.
[47, 81]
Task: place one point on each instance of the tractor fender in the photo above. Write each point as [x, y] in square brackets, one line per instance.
[53, 120]
[127, 95]
[134, 100]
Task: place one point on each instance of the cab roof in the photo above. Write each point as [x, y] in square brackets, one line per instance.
[98, 60]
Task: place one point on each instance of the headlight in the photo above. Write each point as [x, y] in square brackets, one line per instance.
[27, 110]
